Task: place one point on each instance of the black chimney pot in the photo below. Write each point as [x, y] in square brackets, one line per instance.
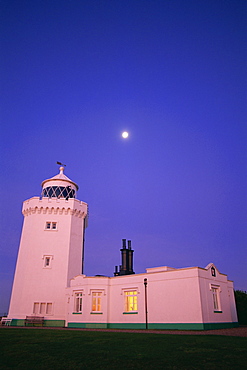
[126, 268]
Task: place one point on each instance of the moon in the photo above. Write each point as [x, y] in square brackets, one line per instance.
[125, 134]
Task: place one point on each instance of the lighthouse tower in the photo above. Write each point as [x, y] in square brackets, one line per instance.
[50, 253]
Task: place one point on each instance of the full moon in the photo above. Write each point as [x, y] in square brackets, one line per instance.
[125, 134]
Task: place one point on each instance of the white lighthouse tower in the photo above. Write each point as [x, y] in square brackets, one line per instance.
[50, 253]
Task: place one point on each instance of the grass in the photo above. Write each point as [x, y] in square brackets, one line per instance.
[68, 349]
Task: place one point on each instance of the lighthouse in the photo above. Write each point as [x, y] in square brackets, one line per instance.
[51, 251]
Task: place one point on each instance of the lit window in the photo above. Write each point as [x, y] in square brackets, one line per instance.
[96, 302]
[78, 302]
[130, 301]
[216, 298]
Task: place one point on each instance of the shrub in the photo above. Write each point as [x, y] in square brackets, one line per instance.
[241, 305]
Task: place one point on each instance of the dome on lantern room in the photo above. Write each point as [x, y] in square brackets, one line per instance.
[59, 186]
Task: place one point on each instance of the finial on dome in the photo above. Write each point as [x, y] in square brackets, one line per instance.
[59, 186]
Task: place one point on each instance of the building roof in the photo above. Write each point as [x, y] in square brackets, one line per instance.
[60, 177]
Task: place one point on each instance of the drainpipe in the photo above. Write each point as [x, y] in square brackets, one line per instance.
[83, 244]
[146, 303]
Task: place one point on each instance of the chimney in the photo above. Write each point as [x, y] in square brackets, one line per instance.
[126, 268]
[124, 251]
[130, 259]
[116, 273]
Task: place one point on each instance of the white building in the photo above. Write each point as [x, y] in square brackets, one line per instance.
[49, 280]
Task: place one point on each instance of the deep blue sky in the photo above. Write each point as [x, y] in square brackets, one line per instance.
[75, 74]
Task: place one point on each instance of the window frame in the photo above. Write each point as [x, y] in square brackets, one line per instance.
[215, 289]
[36, 308]
[49, 311]
[96, 302]
[48, 225]
[130, 301]
[43, 308]
[51, 225]
[46, 258]
[78, 295]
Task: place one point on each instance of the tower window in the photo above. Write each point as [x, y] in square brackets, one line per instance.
[49, 308]
[41, 308]
[51, 225]
[47, 261]
[36, 307]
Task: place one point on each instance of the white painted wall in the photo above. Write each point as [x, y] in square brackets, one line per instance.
[226, 296]
[174, 296]
[33, 282]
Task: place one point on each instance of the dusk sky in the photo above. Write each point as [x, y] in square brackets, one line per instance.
[76, 74]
